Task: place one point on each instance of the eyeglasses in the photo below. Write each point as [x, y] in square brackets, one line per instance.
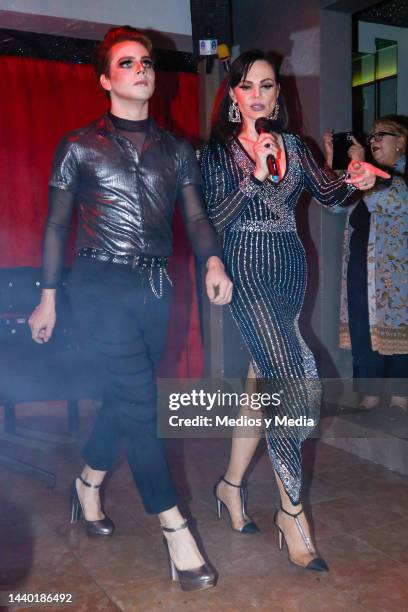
[378, 136]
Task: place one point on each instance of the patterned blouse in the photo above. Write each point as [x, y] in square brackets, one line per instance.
[387, 268]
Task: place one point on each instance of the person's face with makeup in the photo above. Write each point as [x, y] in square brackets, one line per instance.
[131, 75]
[386, 144]
[257, 94]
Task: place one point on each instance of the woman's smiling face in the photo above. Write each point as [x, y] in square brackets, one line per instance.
[388, 146]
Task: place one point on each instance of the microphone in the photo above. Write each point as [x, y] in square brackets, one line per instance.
[265, 125]
[224, 56]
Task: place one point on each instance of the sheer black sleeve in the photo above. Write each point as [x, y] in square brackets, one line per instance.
[61, 202]
[328, 189]
[225, 200]
[201, 234]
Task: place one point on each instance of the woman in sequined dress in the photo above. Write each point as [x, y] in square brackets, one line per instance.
[266, 260]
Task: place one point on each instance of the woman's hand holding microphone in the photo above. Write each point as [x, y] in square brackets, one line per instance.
[267, 144]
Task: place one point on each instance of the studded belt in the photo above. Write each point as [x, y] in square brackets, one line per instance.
[135, 261]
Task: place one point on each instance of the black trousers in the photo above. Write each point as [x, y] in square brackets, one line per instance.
[369, 376]
[120, 318]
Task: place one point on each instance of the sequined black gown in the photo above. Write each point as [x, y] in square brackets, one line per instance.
[266, 261]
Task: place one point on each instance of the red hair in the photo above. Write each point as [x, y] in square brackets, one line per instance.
[101, 55]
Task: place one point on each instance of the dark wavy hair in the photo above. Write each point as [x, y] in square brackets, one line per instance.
[222, 129]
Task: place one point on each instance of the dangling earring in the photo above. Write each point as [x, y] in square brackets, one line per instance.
[234, 115]
[397, 149]
[275, 113]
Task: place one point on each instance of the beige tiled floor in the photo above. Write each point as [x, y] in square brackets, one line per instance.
[359, 513]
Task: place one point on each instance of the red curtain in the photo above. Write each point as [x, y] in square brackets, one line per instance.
[40, 100]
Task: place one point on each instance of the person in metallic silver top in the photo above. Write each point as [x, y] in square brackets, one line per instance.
[124, 174]
[266, 261]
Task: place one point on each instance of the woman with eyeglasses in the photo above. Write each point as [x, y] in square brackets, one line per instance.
[374, 302]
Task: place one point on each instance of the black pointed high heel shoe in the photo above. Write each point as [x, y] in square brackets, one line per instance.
[196, 579]
[317, 564]
[250, 526]
[103, 527]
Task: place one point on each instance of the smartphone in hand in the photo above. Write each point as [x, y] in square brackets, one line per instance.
[341, 144]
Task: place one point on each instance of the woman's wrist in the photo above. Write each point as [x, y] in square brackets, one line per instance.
[328, 161]
[259, 175]
[48, 297]
[214, 262]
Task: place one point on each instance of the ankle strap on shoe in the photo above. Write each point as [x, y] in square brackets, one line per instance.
[306, 539]
[289, 513]
[88, 484]
[173, 529]
[231, 484]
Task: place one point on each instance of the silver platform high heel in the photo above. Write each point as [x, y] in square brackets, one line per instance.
[103, 527]
[196, 579]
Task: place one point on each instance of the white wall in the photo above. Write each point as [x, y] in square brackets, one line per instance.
[163, 15]
[367, 33]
